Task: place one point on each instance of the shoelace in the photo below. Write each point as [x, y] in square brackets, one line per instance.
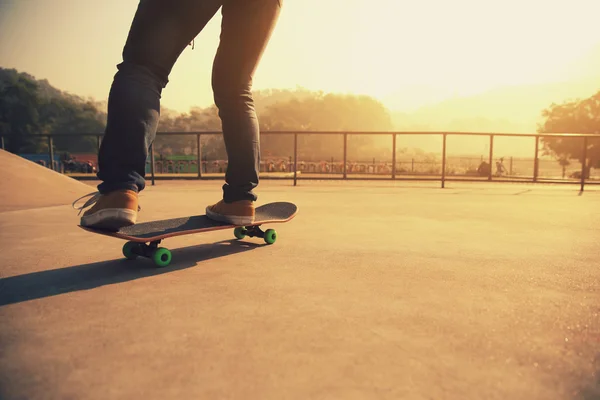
[91, 201]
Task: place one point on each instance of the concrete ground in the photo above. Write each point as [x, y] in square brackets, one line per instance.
[375, 290]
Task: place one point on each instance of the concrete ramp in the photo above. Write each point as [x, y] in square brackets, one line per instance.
[26, 185]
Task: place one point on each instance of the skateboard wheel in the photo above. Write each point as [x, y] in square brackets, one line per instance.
[161, 257]
[270, 236]
[240, 232]
[128, 250]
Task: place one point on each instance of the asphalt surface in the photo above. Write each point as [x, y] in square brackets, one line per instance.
[374, 291]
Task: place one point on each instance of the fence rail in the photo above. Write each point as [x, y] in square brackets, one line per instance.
[443, 178]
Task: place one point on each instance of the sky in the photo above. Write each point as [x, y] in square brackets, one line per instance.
[425, 48]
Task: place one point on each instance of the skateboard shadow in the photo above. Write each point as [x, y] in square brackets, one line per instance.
[37, 285]
[592, 390]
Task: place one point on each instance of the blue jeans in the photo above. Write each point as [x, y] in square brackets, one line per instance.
[160, 31]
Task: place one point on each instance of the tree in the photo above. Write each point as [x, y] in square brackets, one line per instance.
[579, 116]
[66, 116]
[327, 112]
[197, 120]
[19, 115]
[29, 108]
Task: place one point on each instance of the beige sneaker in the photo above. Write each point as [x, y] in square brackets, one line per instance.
[236, 213]
[111, 211]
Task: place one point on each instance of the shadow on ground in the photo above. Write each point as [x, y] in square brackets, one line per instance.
[592, 390]
[54, 282]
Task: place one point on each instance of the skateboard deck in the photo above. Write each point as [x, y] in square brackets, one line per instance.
[143, 238]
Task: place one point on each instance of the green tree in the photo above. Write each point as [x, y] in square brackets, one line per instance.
[197, 120]
[19, 115]
[327, 112]
[65, 116]
[580, 116]
[29, 107]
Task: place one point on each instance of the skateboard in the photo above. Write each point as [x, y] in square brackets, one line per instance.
[143, 239]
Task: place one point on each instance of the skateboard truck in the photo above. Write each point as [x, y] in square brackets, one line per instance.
[270, 235]
[160, 255]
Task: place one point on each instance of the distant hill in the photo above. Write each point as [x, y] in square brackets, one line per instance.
[510, 109]
[507, 109]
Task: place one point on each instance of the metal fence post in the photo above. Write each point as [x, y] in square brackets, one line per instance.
[444, 135]
[295, 158]
[393, 156]
[152, 162]
[2, 143]
[491, 156]
[51, 152]
[345, 153]
[535, 160]
[198, 140]
[584, 162]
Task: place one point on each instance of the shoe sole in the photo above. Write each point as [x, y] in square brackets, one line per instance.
[110, 219]
[230, 219]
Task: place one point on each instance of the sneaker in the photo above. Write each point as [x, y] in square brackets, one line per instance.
[110, 211]
[237, 213]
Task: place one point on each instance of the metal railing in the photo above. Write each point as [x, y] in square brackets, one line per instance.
[443, 178]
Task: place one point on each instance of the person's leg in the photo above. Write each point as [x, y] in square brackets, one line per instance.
[246, 28]
[160, 31]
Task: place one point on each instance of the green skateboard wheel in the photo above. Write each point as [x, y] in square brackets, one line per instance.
[240, 232]
[128, 250]
[270, 236]
[161, 257]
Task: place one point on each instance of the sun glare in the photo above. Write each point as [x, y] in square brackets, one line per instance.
[347, 46]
